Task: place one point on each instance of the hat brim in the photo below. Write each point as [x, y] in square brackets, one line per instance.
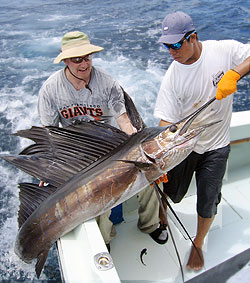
[171, 38]
[78, 51]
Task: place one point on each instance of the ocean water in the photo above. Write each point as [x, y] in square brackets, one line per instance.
[30, 33]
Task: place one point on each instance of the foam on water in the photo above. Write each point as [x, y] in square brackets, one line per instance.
[10, 265]
[141, 84]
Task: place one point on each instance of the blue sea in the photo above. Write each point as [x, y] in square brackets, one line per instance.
[30, 33]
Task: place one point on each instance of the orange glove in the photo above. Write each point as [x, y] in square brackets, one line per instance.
[228, 84]
[163, 179]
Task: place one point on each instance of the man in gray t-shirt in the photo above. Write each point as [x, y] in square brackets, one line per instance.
[83, 92]
[102, 100]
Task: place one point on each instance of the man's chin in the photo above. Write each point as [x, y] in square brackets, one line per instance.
[83, 74]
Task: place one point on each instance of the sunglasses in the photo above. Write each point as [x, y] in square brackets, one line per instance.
[178, 45]
[78, 60]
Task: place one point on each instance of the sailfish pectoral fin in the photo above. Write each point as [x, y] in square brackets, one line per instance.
[140, 165]
[41, 259]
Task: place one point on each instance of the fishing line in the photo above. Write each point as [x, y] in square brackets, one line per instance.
[176, 216]
[157, 191]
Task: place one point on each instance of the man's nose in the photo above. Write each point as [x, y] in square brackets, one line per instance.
[172, 51]
[83, 63]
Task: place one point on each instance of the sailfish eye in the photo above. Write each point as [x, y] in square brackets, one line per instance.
[173, 128]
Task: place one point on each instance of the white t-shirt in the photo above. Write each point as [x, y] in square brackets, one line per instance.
[59, 101]
[185, 88]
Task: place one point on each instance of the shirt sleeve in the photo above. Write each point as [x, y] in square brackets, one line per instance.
[240, 52]
[47, 110]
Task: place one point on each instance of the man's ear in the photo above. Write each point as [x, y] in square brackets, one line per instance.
[194, 36]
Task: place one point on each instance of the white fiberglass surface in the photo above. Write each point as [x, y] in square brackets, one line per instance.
[228, 236]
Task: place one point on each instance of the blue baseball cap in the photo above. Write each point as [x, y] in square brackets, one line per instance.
[175, 26]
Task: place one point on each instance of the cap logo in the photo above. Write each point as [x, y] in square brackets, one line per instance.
[165, 28]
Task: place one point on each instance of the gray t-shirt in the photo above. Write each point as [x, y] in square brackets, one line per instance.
[59, 101]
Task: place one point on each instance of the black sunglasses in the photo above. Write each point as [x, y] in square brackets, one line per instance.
[78, 60]
[177, 45]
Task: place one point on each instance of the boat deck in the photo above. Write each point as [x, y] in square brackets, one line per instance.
[228, 236]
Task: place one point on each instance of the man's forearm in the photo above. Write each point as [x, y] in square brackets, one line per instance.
[244, 68]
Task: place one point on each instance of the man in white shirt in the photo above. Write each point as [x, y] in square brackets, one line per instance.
[199, 72]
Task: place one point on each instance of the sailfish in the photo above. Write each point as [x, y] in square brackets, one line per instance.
[90, 167]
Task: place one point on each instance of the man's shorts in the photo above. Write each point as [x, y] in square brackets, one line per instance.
[209, 169]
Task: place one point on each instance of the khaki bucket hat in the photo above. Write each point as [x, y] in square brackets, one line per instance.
[76, 44]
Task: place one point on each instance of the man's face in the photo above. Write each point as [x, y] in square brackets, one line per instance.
[186, 54]
[80, 66]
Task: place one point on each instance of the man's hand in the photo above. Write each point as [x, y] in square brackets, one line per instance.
[228, 84]
[163, 179]
[125, 124]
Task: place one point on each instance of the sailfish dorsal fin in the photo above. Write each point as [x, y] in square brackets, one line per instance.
[60, 153]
